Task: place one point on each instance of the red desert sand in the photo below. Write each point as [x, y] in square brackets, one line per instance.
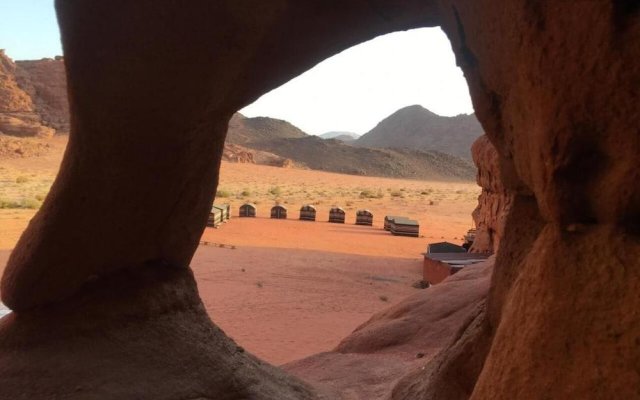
[287, 289]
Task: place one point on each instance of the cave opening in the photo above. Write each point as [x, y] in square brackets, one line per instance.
[303, 287]
[152, 89]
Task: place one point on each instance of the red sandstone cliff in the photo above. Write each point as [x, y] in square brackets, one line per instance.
[45, 81]
[17, 111]
[494, 202]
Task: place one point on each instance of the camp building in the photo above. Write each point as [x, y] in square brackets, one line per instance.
[444, 259]
[279, 212]
[387, 221]
[215, 217]
[364, 217]
[308, 213]
[248, 210]
[336, 215]
[226, 211]
[402, 226]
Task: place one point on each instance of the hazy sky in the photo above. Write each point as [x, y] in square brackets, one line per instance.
[354, 90]
[351, 91]
[29, 29]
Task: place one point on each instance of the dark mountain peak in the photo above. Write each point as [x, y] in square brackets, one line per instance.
[244, 130]
[416, 127]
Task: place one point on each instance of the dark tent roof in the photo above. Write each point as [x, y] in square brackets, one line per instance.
[445, 247]
[405, 221]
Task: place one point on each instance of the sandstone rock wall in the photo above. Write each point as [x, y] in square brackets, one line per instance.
[17, 111]
[552, 83]
[45, 81]
[494, 202]
[12, 97]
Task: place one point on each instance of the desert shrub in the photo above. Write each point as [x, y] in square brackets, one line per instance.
[245, 193]
[223, 193]
[259, 284]
[383, 298]
[40, 197]
[22, 179]
[275, 190]
[31, 204]
[396, 193]
[370, 194]
[4, 203]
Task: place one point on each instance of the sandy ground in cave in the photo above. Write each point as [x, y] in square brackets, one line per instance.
[285, 289]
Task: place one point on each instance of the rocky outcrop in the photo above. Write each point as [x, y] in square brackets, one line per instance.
[152, 87]
[23, 125]
[494, 202]
[244, 131]
[237, 154]
[17, 112]
[46, 83]
[12, 98]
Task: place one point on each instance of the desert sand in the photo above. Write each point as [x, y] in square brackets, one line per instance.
[286, 289]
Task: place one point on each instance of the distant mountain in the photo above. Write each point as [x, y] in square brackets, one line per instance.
[335, 156]
[415, 127]
[274, 142]
[244, 131]
[340, 135]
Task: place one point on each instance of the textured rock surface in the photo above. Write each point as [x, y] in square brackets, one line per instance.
[552, 83]
[141, 333]
[494, 202]
[45, 81]
[12, 97]
[23, 125]
[17, 112]
[555, 85]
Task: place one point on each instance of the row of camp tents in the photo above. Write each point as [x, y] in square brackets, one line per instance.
[308, 213]
[397, 225]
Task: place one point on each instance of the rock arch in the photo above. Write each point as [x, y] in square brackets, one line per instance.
[152, 85]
